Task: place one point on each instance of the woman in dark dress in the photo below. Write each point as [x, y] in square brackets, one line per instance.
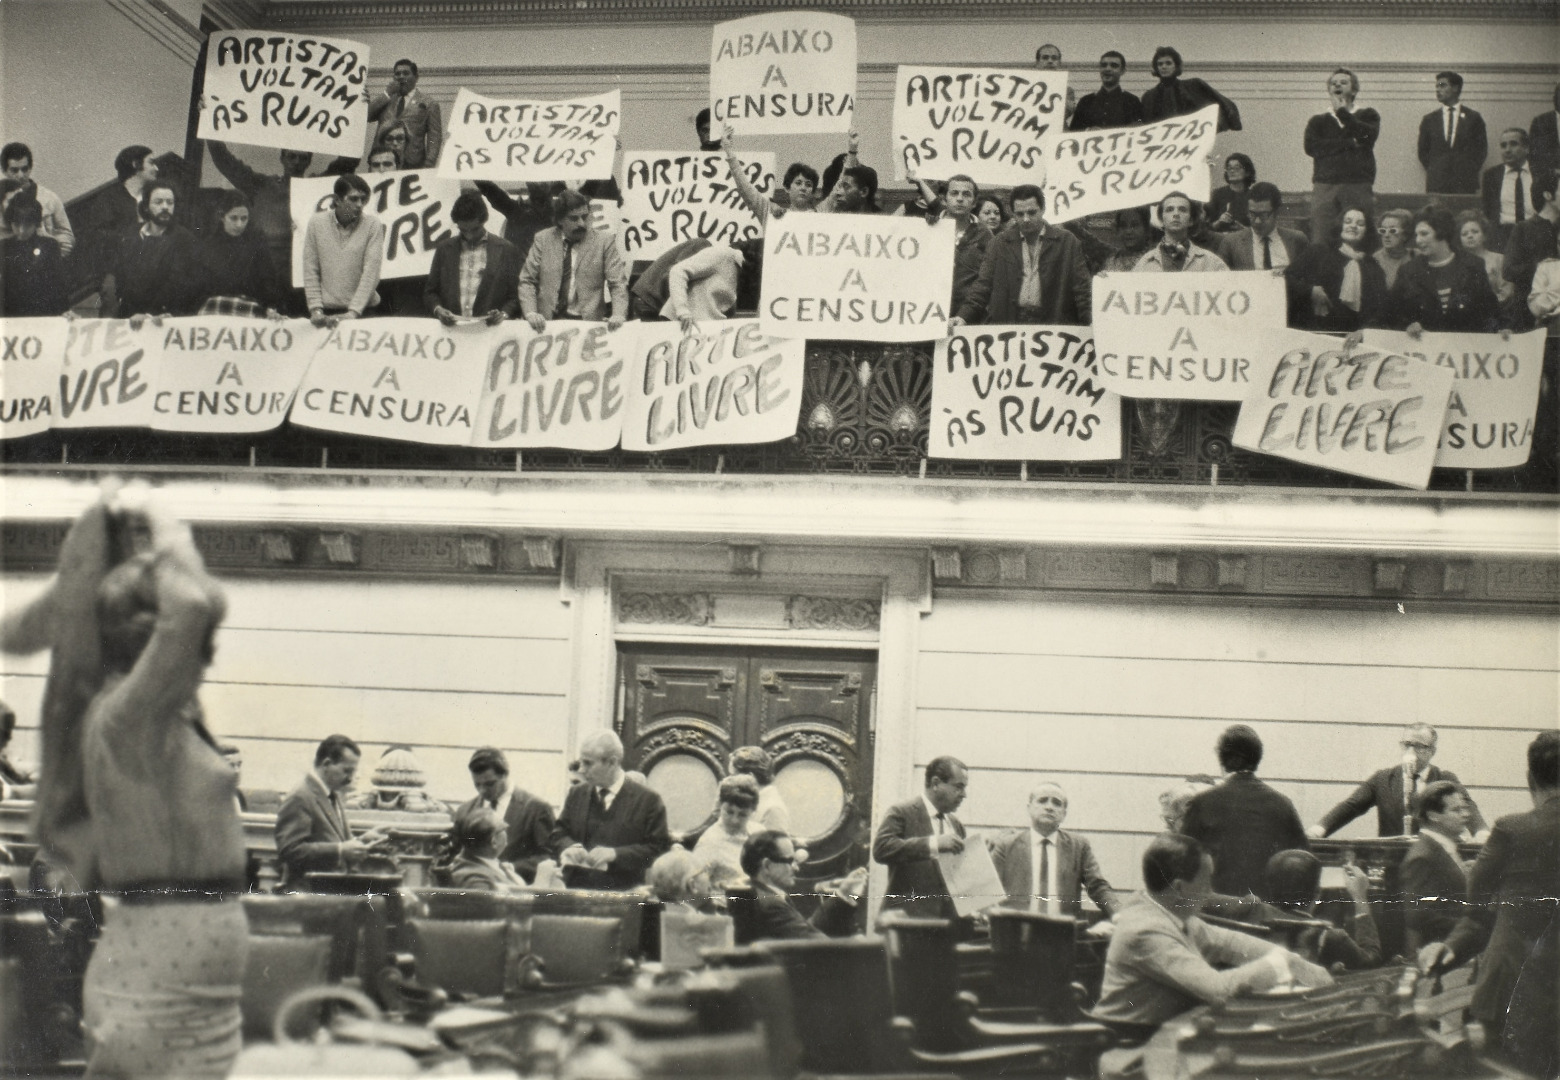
[1341, 287]
[1227, 206]
[233, 266]
[34, 278]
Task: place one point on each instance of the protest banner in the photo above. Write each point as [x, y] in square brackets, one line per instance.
[1198, 336]
[993, 124]
[564, 387]
[856, 277]
[670, 196]
[290, 91]
[30, 374]
[1370, 412]
[725, 383]
[409, 379]
[1494, 402]
[783, 73]
[1089, 172]
[1022, 393]
[106, 376]
[526, 139]
[414, 204]
[224, 373]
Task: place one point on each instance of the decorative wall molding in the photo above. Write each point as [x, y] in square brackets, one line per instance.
[666, 609]
[164, 26]
[830, 613]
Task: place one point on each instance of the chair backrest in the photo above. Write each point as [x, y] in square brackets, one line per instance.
[461, 956]
[840, 997]
[439, 903]
[341, 918]
[627, 908]
[347, 884]
[924, 968]
[763, 993]
[577, 949]
[279, 966]
[1032, 961]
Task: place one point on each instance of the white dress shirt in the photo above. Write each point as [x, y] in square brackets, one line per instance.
[1276, 247]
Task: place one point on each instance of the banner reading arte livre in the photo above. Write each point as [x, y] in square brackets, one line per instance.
[1089, 172]
[226, 373]
[1198, 336]
[857, 277]
[1494, 402]
[105, 375]
[996, 125]
[527, 139]
[670, 196]
[291, 91]
[783, 73]
[1022, 393]
[725, 383]
[30, 374]
[564, 387]
[1369, 412]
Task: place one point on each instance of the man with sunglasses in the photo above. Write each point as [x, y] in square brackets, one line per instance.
[769, 860]
[1395, 791]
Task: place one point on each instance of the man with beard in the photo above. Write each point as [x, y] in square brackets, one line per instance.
[150, 272]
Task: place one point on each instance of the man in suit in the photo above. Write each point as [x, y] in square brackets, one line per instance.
[474, 274]
[1264, 245]
[1435, 887]
[531, 830]
[1452, 141]
[912, 835]
[1514, 890]
[1544, 132]
[1395, 790]
[403, 103]
[481, 834]
[769, 861]
[1243, 822]
[1045, 869]
[1510, 189]
[567, 267]
[612, 828]
[1529, 244]
[311, 827]
[1034, 273]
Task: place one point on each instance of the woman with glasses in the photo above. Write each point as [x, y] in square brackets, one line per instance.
[1396, 230]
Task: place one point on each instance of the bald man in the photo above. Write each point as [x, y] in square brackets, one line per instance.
[1045, 869]
[1395, 790]
[613, 827]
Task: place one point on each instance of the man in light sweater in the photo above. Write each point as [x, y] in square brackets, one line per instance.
[342, 250]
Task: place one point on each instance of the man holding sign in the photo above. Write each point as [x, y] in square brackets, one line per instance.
[569, 267]
[474, 274]
[1034, 273]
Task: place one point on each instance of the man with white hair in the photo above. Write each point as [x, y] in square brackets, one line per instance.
[1395, 790]
[613, 827]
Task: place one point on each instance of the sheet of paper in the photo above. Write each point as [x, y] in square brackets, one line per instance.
[971, 877]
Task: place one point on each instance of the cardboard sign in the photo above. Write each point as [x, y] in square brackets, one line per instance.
[228, 374]
[527, 139]
[993, 124]
[1022, 393]
[1494, 402]
[291, 91]
[106, 376]
[857, 277]
[407, 379]
[1370, 412]
[564, 387]
[1090, 172]
[670, 197]
[414, 204]
[29, 374]
[725, 383]
[1178, 335]
[783, 73]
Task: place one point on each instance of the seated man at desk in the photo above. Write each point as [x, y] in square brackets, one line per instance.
[1395, 791]
[769, 860]
[482, 835]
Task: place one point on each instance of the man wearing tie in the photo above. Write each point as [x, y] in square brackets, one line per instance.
[612, 828]
[1045, 869]
[311, 827]
[1395, 790]
[403, 103]
[914, 833]
[1452, 141]
[567, 266]
[528, 821]
[1509, 191]
[1435, 886]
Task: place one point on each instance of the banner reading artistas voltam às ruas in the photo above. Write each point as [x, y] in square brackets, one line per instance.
[995, 125]
[529, 139]
[222, 373]
[783, 73]
[290, 91]
[564, 387]
[1091, 172]
[30, 374]
[671, 196]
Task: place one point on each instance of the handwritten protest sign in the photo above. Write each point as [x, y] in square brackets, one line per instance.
[525, 139]
[670, 196]
[564, 387]
[414, 204]
[1194, 336]
[726, 383]
[397, 378]
[30, 374]
[1093, 171]
[1022, 393]
[291, 91]
[1370, 412]
[783, 73]
[995, 125]
[224, 373]
[1490, 417]
[105, 376]
[857, 278]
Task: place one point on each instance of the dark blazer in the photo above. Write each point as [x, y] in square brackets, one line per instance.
[1064, 281]
[635, 825]
[1076, 870]
[1452, 170]
[1384, 791]
[1235, 247]
[1323, 267]
[777, 917]
[969, 255]
[1489, 189]
[499, 286]
[1530, 243]
[309, 834]
[1244, 823]
[904, 844]
[1435, 893]
[533, 831]
[1544, 141]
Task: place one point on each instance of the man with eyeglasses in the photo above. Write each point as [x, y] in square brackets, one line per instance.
[1396, 790]
[914, 833]
[769, 860]
[1396, 230]
[612, 828]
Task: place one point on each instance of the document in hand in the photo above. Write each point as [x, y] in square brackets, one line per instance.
[971, 878]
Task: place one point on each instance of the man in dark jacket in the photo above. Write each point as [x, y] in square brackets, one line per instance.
[1394, 791]
[769, 861]
[153, 262]
[612, 828]
[531, 831]
[1435, 887]
[1510, 191]
[914, 833]
[1032, 273]
[1452, 141]
[473, 275]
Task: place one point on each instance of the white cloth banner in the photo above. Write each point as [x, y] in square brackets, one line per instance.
[223, 373]
[1022, 393]
[996, 125]
[528, 139]
[1179, 335]
[725, 383]
[1114, 168]
[1494, 403]
[671, 196]
[30, 374]
[564, 387]
[291, 91]
[783, 73]
[106, 376]
[857, 277]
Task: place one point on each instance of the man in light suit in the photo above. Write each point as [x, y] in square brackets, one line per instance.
[1435, 887]
[567, 267]
[612, 828]
[1263, 245]
[531, 830]
[1452, 141]
[403, 103]
[481, 834]
[1045, 869]
[914, 832]
[1385, 790]
[311, 827]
